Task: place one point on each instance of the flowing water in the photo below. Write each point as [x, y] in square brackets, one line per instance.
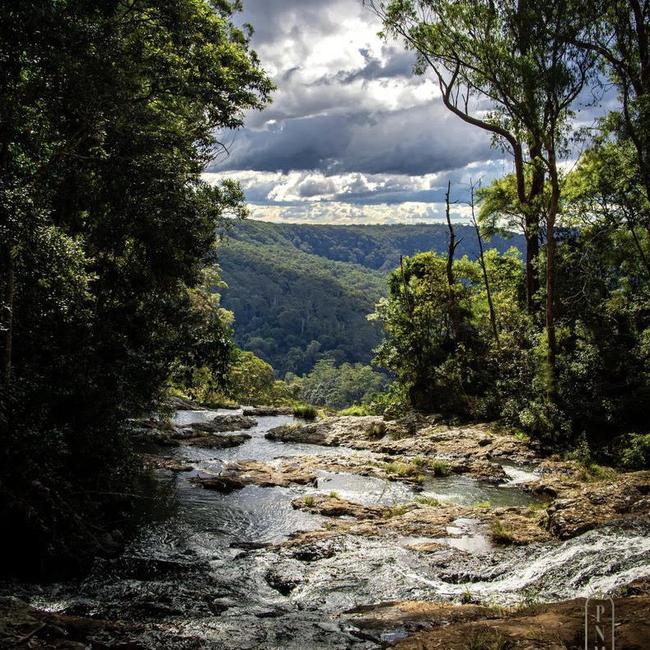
[208, 571]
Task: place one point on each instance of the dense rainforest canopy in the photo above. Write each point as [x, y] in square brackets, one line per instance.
[301, 293]
[108, 117]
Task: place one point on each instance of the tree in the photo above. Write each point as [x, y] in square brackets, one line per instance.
[620, 37]
[338, 386]
[522, 59]
[108, 117]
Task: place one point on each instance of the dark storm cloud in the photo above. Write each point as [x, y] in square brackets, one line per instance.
[323, 118]
[415, 141]
[395, 63]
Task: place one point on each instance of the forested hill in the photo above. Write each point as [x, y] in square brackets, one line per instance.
[300, 292]
[376, 247]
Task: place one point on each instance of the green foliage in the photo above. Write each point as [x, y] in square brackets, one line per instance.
[395, 511]
[637, 453]
[467, 597]
[335, 273]
[248, 380]
[440, 346]
[427, 501]
[108, 117]
[322, 315]
[403, 469]
[338, 386]
[305, 411]
[501, 534]
[439, 467]
[356, 410]
[251, 381]
[439, 342]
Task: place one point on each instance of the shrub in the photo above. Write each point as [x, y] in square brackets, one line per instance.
[427, 501]
[594, 472]
[305, 411]
[636, 455]
[500, 534]
[488, 640]
[309, 500]
[356, 410]
[395, 511]
[401, 469]
[440, 467]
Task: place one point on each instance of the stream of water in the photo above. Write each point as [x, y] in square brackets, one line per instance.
[207, 571]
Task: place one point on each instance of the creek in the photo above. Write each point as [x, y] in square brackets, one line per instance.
[210, 572]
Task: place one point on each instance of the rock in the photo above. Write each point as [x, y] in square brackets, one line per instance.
[217, 441]
[414, 436]
[580, 506]
[267, 410]
[330, 506]
[171, 464]
[223, 484]
[281, 583]
[331, 431]
[219, 424]
[557, 625]
[517, 526]
[486, 471]
[252, 472]
[183, 404]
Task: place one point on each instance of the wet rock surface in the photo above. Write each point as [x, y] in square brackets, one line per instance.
[251, 472]
[353, 533]
[578, 506]
[218, 424]
[402, 437]
[267, 410]
[555, 625]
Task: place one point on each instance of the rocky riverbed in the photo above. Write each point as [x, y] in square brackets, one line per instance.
[354, 532]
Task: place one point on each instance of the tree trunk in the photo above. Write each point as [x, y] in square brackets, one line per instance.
[532, 220]
[8, 322]
[454, 316]
[551, 353]
[532, 256]
[451, 249]
[493, 318]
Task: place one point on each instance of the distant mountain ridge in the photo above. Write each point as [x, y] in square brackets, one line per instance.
[300, 291]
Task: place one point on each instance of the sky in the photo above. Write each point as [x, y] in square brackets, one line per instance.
[352, 135]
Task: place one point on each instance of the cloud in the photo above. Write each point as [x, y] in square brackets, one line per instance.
[357, 187]
[417, 140]
[352, 134]
[346, 213]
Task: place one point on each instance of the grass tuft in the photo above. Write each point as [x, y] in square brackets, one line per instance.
[500, 534]
[427, 501]
[395, 511]
[305, 411]
[440, 467]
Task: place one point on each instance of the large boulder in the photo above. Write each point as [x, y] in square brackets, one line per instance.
[219, 424]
